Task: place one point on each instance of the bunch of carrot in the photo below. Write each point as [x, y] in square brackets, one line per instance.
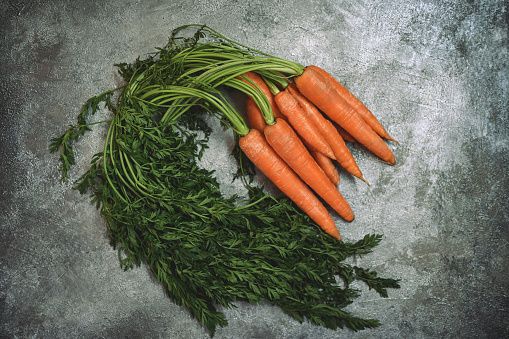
[299, 117]
[297, 150]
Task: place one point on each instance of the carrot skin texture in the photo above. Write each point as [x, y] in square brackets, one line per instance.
[330, 132]
[361, 109]
[254, 77]
[320, 91]
[327, 166]
[287, 144]
[302, 124]
[257, 149]
[254, 115]
[319, 157]
[344, 134]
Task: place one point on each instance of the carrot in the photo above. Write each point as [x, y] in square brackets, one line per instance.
[301, 123]
[287, 144]
[329, 131]
[325, 163]
[344, 134]
[320, 91]
[256, 148]
[258, 81]
[363, 111]
[254, 115]
[327, 166]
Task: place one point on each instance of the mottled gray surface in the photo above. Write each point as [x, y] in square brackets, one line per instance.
[434, 72]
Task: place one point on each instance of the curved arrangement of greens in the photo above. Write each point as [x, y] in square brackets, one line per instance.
[164, 211]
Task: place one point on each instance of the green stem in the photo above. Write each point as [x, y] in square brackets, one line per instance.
[257, 95]
[107, 143]
[273, 88]
[217, 101]
[93, 123]
[254, 202]
[277, 78]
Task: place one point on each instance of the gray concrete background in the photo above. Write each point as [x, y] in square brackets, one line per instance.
[434, 72]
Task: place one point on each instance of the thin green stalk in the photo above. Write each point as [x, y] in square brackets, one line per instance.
[257, 95]
[237, 123]
[239, 208]
[276, 78]
[234, 68]
[137, 182]
[108, 142]
[273, 88]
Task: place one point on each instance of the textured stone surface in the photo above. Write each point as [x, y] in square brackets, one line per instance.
[434, 72]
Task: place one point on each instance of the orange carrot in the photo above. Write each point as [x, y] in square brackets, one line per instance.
[256, 79]
[344, 134]
[329, 131]
[287, 144]
[254, 115]
[320, 91]
[256, 148]
[363, 111]
[327, 166]
[325, 163]
[301, 123]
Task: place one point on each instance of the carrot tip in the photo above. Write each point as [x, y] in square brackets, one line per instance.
[362, 178]
[392, 139]
[334, 233]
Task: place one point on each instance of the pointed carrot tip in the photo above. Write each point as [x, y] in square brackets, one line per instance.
[335, 234]
[392, 160]
[362, 178]
[392, 139]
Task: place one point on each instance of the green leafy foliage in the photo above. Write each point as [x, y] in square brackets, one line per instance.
[207, 251]
[64, 142]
